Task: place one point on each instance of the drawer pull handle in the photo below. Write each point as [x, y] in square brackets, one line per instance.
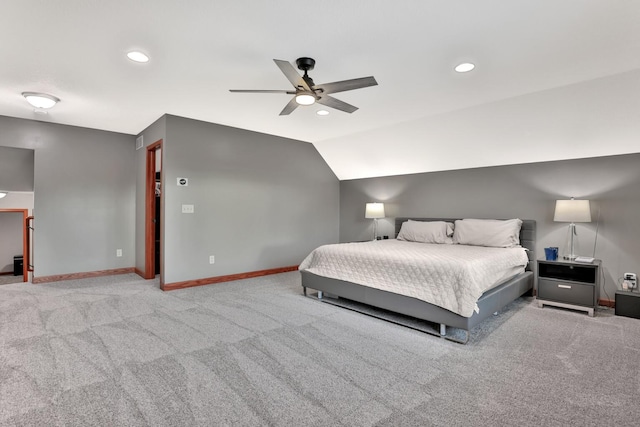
[564, 286]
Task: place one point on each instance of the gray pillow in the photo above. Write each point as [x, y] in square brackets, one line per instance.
[426, 231]
[488, 232]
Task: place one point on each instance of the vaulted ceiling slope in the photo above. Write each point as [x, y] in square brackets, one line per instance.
[535, 61]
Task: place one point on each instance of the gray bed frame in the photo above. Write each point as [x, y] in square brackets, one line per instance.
[489, 303]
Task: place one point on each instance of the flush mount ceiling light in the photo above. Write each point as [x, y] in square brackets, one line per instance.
[137, 56]
[305, 99]
[322, 112]
[40, 100]
[465, 67]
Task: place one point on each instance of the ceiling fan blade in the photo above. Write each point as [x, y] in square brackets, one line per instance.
[291, 74]
[347, 85]
[262, 91]
[292, 105]
[332, 102]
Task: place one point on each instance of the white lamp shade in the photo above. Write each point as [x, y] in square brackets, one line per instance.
[572, 211]
[374, 210]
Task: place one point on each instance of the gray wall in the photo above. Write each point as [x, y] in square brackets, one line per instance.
[84, 185]
[525, 191]
[16, 169]
[261, 201]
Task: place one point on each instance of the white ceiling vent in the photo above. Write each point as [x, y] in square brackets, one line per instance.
[139, 142]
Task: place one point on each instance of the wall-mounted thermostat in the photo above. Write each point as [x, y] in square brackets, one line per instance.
[183, 182]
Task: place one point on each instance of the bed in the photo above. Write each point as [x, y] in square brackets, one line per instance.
[393, 305]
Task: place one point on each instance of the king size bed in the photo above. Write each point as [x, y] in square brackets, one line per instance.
[449, 272]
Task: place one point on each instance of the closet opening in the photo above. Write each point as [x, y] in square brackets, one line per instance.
[153, 212]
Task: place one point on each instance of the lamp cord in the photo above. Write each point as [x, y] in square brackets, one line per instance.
[604, 283]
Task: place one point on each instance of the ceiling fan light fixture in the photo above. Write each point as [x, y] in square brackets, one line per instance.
[305, 99]
[465, 67]
[137, 56]
[306, 92]
[40, 100]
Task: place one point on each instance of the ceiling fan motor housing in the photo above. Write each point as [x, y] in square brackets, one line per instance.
[305, 64]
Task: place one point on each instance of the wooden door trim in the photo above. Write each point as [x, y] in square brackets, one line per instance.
[25, 243]
[150, 210]
[26, 236]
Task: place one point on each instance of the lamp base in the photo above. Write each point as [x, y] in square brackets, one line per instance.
[375, 229]
[572, 243]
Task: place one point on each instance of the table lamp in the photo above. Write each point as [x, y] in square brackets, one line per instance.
[374, 211]
[572, 211]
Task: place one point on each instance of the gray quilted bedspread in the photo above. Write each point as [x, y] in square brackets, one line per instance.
[450, 276]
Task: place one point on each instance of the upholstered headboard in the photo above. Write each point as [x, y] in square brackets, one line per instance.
[527, 235]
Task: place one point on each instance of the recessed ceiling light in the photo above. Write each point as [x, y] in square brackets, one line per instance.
[40, 100]
[137, 56]
[465, 67]
[322, 112]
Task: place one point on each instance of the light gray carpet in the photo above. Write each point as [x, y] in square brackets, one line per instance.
[118, 351]
[6, 279]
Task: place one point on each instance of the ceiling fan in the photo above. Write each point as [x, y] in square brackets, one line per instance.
[307, 92]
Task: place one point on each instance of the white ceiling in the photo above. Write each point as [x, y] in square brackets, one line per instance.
[199, 49]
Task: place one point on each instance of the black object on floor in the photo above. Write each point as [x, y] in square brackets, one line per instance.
[17, 265]
[628, 304]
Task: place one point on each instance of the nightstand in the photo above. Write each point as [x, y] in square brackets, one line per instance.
[628, 304]
[568, 284]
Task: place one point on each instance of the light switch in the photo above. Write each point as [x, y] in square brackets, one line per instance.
[187, 209]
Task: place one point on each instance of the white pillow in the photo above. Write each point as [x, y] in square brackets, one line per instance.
[488, 232]
[426, 231]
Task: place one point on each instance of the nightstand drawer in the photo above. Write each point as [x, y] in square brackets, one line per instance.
[567, 292]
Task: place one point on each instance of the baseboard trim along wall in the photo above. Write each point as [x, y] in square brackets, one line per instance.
[139, 272]
[84, 275]
[607, 302]
[229, 278]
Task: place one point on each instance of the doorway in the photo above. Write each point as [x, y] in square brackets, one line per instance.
[13, 251]
[153, 212]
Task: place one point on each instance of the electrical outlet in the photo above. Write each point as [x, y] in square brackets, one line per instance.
[187, 209]
[630, 280]
[212, 259]
[118, 252]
